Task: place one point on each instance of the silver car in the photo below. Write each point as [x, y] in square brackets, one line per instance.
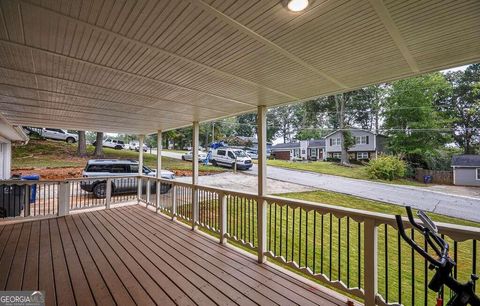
[189, 156]
[125, 170]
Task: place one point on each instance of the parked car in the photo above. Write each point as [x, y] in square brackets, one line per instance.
[113, 143]
[131, 145]
[59, 134]
[229, 157]
[145, 148]
[189, 156]
[126, 169]
[252, 153]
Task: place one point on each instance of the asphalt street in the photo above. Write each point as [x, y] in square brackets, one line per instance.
[464, 207]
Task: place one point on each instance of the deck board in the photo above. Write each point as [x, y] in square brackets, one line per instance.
[18, 264]
[142, 233]
[130, 255]
[281, 283]
[9, 254]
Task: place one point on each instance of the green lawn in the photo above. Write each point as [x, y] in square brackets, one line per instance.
[59, 154]
[329, 245]
[176, 151]
[355, 171]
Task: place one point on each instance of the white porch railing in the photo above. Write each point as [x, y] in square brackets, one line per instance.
[356, 252]
[20, 199]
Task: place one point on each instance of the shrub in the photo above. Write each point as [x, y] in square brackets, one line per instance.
[386, 167]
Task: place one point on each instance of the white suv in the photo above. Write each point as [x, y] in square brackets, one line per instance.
[59, 134]
[113, 143]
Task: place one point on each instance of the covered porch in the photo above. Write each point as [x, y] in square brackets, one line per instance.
[144, 67]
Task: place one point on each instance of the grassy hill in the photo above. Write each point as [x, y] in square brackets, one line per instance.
[58, 154]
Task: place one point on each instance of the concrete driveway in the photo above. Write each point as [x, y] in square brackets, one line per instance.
[428, 199]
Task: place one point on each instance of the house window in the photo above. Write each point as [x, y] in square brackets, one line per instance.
[313, 152]
[361, 140]
[478, 174]
[303, 151]
[335, 141]
[362, 155]
[337, 155]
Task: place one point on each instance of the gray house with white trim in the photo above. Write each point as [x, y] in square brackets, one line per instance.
[367, 144]
[466, 170]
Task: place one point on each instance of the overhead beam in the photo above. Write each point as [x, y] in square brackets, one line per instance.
[28, 118]
[131, 74]
[73, 126]
[394, 32]
[76, 109]
[112, 89]
[90, 99]
[264, 41]
[157, 49]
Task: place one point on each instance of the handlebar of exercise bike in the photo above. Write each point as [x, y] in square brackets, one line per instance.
[429, 235]
[464, 293]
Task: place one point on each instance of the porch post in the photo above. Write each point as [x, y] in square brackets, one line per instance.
[159, 168]
[262, 183]
[370, 262]
[63, 198]
[140, 165]
[195, 140]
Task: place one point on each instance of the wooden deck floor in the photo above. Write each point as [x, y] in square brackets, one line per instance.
[130, 255]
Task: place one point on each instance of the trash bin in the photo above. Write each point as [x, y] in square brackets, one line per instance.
[12, 200]
[33, 188]
[427, 179]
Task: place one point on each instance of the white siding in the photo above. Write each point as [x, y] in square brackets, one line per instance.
[5, 160]
[356, 148]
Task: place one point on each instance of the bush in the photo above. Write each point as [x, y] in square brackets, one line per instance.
[386, 167]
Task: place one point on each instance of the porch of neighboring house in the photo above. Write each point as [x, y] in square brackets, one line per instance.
[130, 255]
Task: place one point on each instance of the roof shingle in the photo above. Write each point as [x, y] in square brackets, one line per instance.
[466, 160]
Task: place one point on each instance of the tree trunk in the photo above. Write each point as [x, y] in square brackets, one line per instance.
[82, 144]
[340, 105]
[99, 145]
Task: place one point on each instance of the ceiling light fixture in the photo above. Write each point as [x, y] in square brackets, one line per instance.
[297, 5]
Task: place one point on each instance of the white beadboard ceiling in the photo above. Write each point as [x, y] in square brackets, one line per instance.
[139, 66]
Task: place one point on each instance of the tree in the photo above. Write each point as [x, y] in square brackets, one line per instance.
[246, 125]
[99, 145]
[308, 133]
[82, 144]
[413, 123]
[285, 121]
[461, 104]
[341, 101]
